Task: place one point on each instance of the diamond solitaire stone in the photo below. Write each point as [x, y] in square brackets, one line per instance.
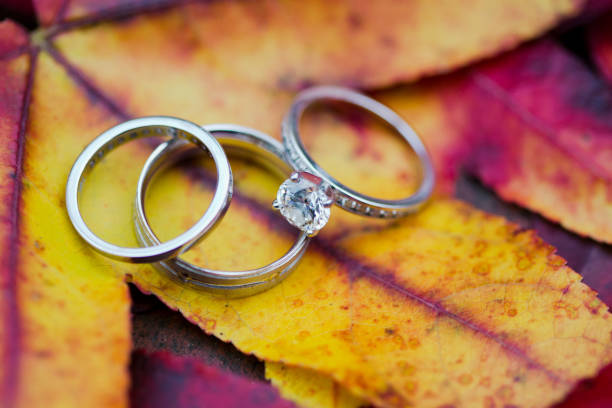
[305, 200]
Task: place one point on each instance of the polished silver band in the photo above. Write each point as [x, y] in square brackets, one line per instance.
[152, 126]
[230, 283]
[345, 197]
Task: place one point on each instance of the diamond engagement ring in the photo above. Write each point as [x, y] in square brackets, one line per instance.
[154, 126]
[305, 199]
[229, 283]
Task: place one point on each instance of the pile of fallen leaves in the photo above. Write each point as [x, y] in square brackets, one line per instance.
[450, 307]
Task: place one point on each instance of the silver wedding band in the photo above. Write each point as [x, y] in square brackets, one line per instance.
[140, 128]
[303, 199]
[231, 283]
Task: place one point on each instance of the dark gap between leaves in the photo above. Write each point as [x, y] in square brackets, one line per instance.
[157, 327]
[575, 41]
[20, 11]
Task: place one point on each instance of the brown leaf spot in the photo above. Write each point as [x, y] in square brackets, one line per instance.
[321, 294]
[303, 335]
[344, 335]
[388, 41]
[389, 330]
[360, 381]
[429, 394]
[523, 263]
[399, 341]
[43, 354]
[355, 21]
[406, 368]
[393, 400]
[594, 305]
[39, 246]
[297, 302]
[488, 402]
[482, 268]
[414, 342]
[325, 350]
[209, 324]
[479, 248]
[512, 312]
[410, 387]
[465, 379]
[570, 310]
[555, 261]
[505, 392]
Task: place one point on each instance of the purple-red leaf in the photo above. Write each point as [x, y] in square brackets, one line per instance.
[164, 380]
[534, 124]
[591, 393]
[600, 42]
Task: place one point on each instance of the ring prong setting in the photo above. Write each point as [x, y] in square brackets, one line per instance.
[305, 200]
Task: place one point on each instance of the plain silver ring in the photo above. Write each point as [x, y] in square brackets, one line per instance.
[229, 283]
[140, 128]
[346, 197]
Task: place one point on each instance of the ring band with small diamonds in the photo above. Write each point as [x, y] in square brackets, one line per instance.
[114, 137]
[228, 283]
[344, 196]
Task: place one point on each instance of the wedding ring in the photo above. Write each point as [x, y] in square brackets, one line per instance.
[324, 189]
[229, 283]
[114, 137]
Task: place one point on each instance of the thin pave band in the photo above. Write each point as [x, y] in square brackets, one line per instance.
[346, 197]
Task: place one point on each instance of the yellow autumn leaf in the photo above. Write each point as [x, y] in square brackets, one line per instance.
[311, 389]
[64, 335]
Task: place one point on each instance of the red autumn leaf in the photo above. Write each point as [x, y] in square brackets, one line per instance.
[13, 41]
[12, 98]
[591, 10]
[533, 124]
[600, 41]
[591, 393]
[53, 11]
[163, 380]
